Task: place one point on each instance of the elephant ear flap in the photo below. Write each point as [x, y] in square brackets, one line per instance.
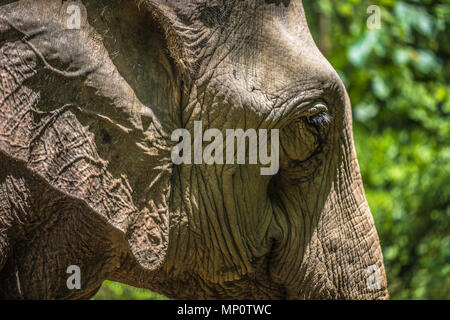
[72, 158]
[85, 160]
[96, 150]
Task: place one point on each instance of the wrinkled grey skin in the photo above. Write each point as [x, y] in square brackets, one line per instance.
[86, 176]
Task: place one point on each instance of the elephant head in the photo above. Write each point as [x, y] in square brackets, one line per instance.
[91, 93]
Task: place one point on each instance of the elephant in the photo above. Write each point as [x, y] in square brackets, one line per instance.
[91, 92]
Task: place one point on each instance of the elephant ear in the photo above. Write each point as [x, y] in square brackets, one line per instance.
[88, 110]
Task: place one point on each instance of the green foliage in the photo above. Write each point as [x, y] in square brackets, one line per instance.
[398, 81]
[113, 290]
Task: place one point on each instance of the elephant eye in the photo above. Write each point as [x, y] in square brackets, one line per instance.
[320, 121]
[318, 117]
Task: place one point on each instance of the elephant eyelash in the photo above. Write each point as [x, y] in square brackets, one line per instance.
[321, 120]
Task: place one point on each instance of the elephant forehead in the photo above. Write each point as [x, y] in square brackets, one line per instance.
[195, 29]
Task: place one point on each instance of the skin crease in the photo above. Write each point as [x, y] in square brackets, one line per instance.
[85, 171]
